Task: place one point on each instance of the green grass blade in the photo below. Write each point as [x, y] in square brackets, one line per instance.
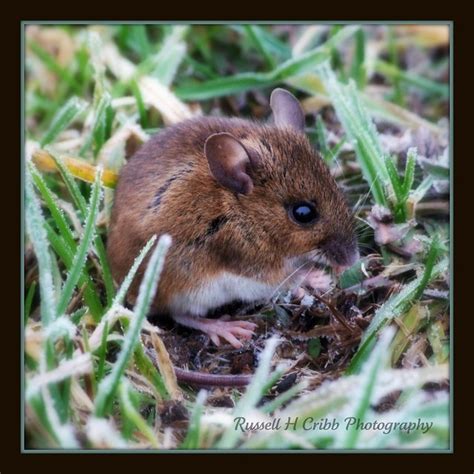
[170, 55]
[103, 116]
[35, 226]
[66, 246]
[358, 64]
[106, 272]
[273, 46]
[200, 68]
[29, 299]
[193, 435]
[119, 297]
[224, 86]
[66, 255]
[401, 187]
[336, 149]
[102, 353]
[322, 136]
[83, 248]
[398, 303]
[253, 394]
[409, 177]
[292, 67]
[51, 63]
[134, 416]
[339, 36]
[109, 385]
[352, 276]
[37, 233]
[64, 433]
[398, 115]
[363, 396]
[360, 130]
[63, 118]
[422, 189]
[255, 35]
[393, 308]
[296, 66]
[437, 171]
[71, 185]
[136, 38]
[434, 251]
[379, 108]
[50, 201]
[426, 85]
[148, 370]
[283, 398]
[77, 315]
[65, 386]
[394, 178]
[140, 104]
[398, 96]
[439, 342]
[242, 82]
[81, 206]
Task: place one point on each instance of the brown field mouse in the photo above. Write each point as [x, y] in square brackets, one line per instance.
[246, 205]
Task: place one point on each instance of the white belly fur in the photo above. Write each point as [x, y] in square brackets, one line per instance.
[224, 289]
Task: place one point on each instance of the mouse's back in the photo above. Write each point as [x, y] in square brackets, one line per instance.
[157, 179]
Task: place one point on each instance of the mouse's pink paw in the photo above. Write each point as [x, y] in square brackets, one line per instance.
[217, 329]
[316, 280]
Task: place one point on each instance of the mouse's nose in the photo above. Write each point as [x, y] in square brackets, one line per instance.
[341, 252]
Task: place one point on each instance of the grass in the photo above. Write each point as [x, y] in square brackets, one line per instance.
[374, 348]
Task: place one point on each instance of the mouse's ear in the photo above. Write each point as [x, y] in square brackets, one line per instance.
[287, 110]
[228, 161]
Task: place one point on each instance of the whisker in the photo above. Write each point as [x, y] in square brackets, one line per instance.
[361, 201]
[292, 274]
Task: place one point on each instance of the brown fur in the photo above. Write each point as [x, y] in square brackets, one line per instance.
[167, 187]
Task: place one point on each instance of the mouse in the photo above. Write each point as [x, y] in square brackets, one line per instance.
[248, 205]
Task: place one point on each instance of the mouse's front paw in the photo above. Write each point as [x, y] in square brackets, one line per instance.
[316, 280]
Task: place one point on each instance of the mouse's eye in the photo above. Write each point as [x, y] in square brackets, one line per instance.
[303, 213]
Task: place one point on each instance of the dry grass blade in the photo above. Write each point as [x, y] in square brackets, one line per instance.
[166, 367]
[79, 168]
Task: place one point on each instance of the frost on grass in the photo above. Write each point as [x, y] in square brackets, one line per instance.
[146, 293]
[133, 270]
[64, 432]
[103, 435]
[89, 233]
[37, 233]
[61, 327]
[79, 365]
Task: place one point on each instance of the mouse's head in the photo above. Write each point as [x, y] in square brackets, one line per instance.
[288, 202]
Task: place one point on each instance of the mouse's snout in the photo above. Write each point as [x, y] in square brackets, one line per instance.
[341, 252]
